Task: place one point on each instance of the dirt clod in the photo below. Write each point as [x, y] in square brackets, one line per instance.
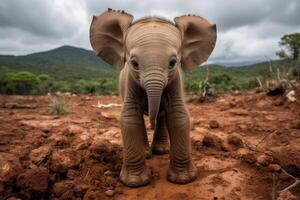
[289, 157]
[58, 140]
[274, 167]
[33, 182]
[62, 160]
[62, 187]
[235, 140]
[213, 141]
[209, 141]
[213, 124]
[263, 160]
[10, 167]
[73, 130]
[102, 150]
[40, 154]
[249, 158]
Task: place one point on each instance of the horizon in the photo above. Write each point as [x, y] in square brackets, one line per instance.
[225, 63]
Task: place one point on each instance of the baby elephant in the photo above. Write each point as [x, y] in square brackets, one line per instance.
[149, 54]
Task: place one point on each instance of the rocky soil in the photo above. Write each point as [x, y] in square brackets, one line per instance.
[246, 146]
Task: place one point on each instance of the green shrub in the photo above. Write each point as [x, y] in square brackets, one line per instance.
[58, 106]
[45, 85]
[220, 79]
[21, 83]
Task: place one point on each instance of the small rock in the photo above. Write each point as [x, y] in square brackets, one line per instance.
[274, 167]
[10, 167]
[40, 154]
[213, 124]
[62, 160]
[235, 140]
[242, 126]
[291, 96]
[107, 173]
[110, 193]
[73, 130]
[263, 160]
[34, 181]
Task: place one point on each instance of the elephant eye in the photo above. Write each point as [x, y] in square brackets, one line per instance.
[134, 63]
[172, 62]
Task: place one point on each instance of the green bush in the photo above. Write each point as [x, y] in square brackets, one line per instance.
[220, 79]
[191, 85]
[21, 83]
[45, 85]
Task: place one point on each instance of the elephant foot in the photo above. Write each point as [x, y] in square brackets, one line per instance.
[182, 176]
[159, 149]
[135, 179]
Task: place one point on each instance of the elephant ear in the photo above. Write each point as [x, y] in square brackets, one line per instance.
[107, 36]
[198, 40]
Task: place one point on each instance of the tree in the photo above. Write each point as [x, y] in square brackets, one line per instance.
[291, 42]
[22, 82]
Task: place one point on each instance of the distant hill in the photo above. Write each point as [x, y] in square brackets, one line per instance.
[63, 63]
[237, 64]
[242, 72]
[72, 63]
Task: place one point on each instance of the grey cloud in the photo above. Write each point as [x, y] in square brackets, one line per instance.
[40, 18]
[246, 29]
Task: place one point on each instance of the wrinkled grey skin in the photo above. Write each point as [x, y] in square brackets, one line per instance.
[149, 54]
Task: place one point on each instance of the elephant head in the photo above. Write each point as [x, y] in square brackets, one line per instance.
[152, 48]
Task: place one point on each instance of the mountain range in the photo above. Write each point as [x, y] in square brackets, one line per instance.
[73, 63]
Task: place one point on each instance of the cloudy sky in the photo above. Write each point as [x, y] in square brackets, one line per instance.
[247, 30]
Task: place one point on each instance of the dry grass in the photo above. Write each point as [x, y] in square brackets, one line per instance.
[58, 106]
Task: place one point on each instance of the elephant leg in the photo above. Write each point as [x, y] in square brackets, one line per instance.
[134, 172]
[181, 169]
[160, 144]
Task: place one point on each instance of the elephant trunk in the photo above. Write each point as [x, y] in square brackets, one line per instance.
[154, 89]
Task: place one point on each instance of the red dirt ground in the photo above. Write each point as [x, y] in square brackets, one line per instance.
[242, 144]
